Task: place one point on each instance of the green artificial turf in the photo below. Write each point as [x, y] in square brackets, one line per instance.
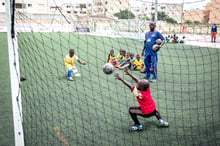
[6, 117]
[93, 109]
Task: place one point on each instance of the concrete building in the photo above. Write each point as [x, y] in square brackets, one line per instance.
[174, 11]
[146, 9]
[26, 6]
[142, 11]
[211, 13]
[194, 15]
[107, 8]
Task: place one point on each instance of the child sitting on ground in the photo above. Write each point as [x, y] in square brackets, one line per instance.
[126, 61]
[111, 58]
[121, 59]
[119, 55]
[138, 64]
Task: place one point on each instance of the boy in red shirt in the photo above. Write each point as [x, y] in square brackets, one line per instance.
[147, 106]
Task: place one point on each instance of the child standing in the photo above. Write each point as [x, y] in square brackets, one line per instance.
[147, 106]
[70, 64]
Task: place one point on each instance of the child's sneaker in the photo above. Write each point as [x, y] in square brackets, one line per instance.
[70, 79]
[136, 128]
[153, 81]
[161, 122]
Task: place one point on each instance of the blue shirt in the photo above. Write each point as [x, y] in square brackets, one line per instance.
[150, 40]
[214, 28]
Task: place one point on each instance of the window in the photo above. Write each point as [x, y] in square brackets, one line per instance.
[68, 12]
[29, 5]
[18, 6]
[24, 6]
[106, 2]
[3, 4]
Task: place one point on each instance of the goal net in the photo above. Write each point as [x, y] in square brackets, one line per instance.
[93, 108]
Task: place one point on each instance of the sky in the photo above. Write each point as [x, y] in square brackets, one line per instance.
[188, 4]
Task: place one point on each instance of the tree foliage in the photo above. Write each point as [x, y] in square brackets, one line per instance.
[125, 14]
[188, 22]
[82, 6]
[196, 22]
[145, 18]
[164, 17]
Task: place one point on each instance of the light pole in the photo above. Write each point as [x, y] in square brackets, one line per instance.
[182, 15]
[155, 16]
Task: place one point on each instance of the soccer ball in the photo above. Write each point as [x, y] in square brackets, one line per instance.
[158, 41]
[155, 48]
[108, 68]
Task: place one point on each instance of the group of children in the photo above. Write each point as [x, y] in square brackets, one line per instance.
[125, 60]
[147, 107]
[174, 39]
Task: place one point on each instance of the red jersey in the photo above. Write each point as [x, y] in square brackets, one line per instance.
[146, 103]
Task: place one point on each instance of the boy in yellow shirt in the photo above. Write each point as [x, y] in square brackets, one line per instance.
[70, 64]
[111, 58]
[138, 64]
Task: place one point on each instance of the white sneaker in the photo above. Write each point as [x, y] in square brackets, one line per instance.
[161, 122]
[153, 81]
[136, 128]
[70, 79]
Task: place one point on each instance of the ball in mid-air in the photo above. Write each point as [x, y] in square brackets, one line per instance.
[108, 68]
[158, 41]
[155, 47]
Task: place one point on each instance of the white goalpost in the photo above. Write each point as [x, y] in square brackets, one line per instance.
[14, 76]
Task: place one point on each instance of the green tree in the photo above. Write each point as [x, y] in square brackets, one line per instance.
[188, 22]
[170, 20]
[196, 22]
[164, 17]
[82, 6]
[145, 18]
[125, 14]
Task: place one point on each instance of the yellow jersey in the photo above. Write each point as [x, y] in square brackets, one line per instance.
[70, 61]
[139, 64]
[111, 58]
[118, 57]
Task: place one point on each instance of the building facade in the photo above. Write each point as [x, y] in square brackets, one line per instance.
[211, 13]
[146, 9]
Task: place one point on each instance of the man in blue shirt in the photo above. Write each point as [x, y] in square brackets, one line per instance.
[214, 32]
[150, 56]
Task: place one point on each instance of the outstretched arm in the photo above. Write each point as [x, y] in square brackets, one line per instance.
[83, 63]
[132, 76]
[108, 58]
[162, 43]
[124, 81]
[143, 48]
